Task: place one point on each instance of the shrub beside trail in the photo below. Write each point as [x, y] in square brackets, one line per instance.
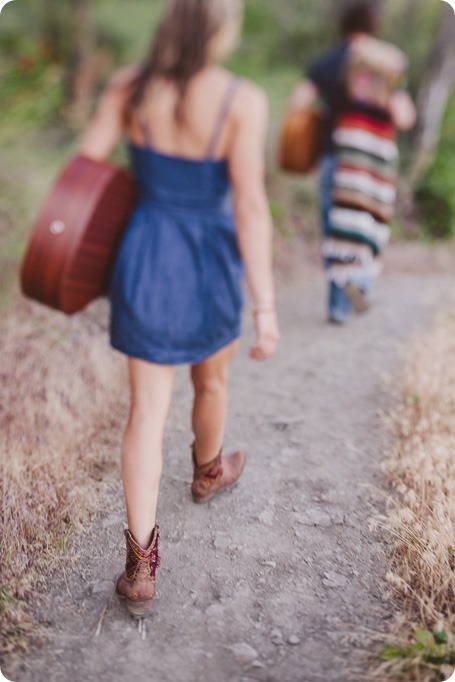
[421, 522]
[60, 410]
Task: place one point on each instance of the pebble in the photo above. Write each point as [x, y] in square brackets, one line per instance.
[257, 664]
[243, 652]
[335, 636]
[293, 639]
[214, 609]
[333, 579]
[266, 517]
[313, 517]
[276, 636]
[221, 542]
[272, 564]
[338, 519]
[112, 521]
[290, 452]
[102, 586]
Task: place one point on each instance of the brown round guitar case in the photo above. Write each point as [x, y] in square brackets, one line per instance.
[301, 139]
[75, 238]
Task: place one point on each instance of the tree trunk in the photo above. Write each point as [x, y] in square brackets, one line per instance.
[434, 92]
[52, 30]
[82, 66]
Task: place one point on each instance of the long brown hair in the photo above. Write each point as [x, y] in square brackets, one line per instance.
[191, 34]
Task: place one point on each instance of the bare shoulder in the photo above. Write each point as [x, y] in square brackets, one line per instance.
[253, 94]
[251, 101]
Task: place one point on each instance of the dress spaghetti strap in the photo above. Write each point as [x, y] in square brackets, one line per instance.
[219, 124]
[222, 116]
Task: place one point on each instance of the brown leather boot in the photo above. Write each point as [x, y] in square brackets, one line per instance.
[137, 582]
[217, 475]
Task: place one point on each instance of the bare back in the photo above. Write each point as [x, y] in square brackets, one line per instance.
[240, 139]
[210, 109]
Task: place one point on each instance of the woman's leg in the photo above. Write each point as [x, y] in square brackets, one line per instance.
[211, 402]
[151, 390]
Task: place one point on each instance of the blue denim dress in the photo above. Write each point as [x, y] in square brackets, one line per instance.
[176, 289]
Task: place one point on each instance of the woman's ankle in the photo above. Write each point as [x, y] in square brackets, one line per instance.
[204, 456]
[142, 538]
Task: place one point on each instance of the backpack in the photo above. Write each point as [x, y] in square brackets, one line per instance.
[364, 182]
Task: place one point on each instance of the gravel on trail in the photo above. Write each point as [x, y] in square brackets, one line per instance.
[280, 579]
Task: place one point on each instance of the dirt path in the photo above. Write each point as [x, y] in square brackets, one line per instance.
[274, 580]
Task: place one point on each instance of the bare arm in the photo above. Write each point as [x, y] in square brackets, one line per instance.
[107, 126]
[401, 106]
[253, 220]
[402, 110]
[303, 96]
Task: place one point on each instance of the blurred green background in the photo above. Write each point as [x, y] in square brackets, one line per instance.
[40, 122]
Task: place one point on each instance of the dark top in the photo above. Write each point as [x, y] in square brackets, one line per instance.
[326, 73]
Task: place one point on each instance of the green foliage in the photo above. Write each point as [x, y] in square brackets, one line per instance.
[412, 25]
[31, 26]
[252, 55]
[31, 94]
[31, 66]
[278, 42]
[124, 30]
[436, 192]
[430, 653]
[285, 34]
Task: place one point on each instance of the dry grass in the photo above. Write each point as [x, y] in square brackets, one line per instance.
[422, 522]
[62, 400]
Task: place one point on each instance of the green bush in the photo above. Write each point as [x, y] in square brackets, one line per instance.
[435, 194]
[31, 93]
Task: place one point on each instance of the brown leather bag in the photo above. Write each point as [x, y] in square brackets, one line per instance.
[301, 140]
[76, 235]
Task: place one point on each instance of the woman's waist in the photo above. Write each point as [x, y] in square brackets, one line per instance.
[221, 204]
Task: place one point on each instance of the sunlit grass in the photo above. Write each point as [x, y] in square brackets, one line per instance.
[421, 522]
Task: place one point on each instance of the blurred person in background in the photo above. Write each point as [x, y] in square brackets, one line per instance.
[195, 135]
[360, 84]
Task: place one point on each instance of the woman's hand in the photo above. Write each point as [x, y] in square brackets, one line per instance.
[402, 110]
[107, 125]
[267, 335]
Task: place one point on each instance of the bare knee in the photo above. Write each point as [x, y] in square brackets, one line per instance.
[145, 415]
[210, 387]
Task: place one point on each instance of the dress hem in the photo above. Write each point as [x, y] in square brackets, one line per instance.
[186, 359]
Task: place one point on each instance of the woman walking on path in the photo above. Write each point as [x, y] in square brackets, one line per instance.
[359, 84]
[195, 135]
